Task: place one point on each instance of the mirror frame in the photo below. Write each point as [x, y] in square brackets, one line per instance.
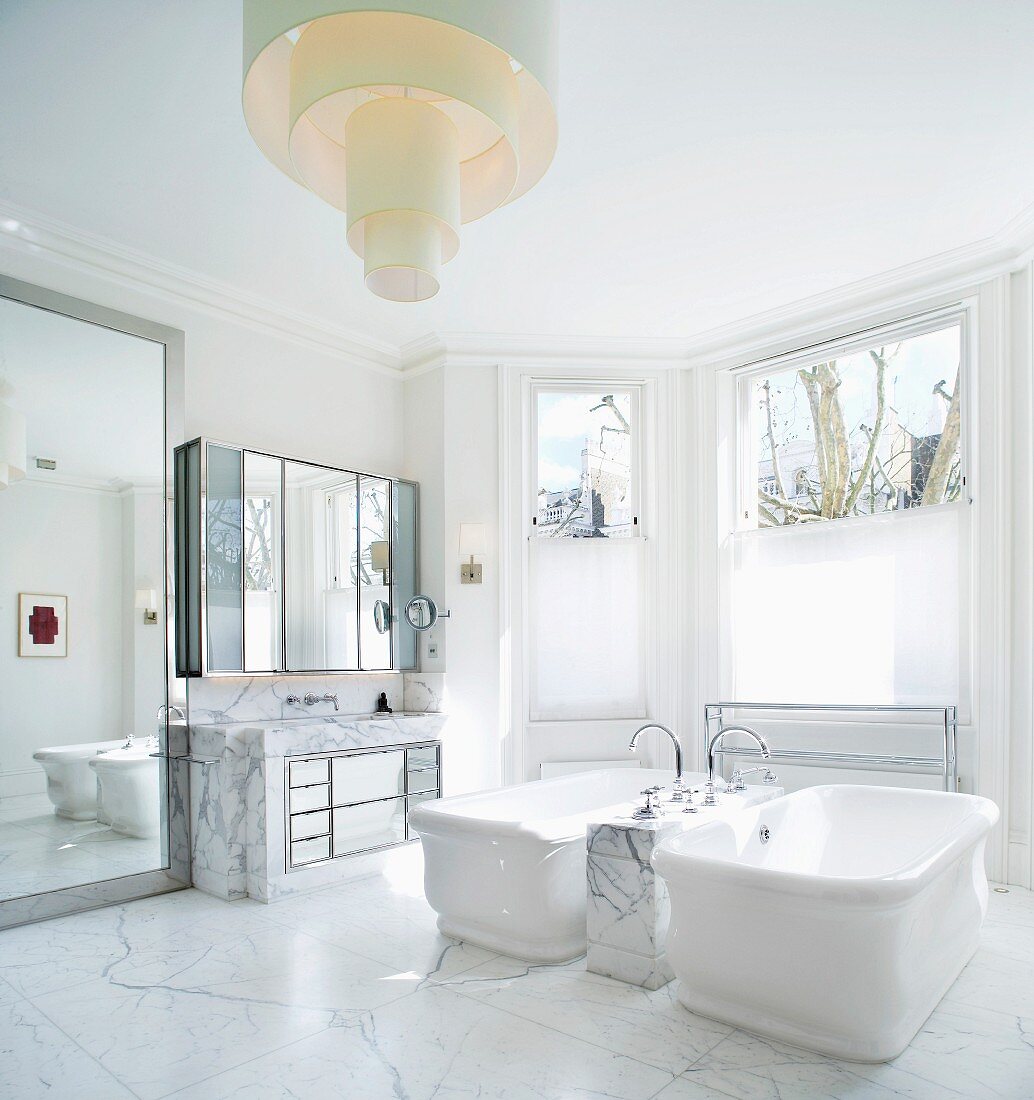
[173, 742]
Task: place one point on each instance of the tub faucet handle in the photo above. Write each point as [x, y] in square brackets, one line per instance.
[710, 794]
[652, 807]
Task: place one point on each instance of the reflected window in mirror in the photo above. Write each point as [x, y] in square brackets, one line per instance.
[262, 552]
[321, 612]
[374, 572]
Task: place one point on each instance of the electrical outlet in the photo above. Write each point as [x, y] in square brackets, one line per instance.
[432, 648]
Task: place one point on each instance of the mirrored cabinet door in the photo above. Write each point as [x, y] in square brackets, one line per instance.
[320, 569]
[375, 611]
[224, 554]
[262, 512]
[404, 544]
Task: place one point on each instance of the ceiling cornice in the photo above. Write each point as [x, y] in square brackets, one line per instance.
[955, 271]
[32, 232]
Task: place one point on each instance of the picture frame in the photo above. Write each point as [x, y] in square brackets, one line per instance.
[42, 625]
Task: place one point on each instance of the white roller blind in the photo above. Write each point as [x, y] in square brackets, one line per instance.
[585, 651]
[866, 610]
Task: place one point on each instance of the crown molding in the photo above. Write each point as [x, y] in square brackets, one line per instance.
[956, 271]
[925, 282]
[29, 231]
[491, 349]
[47, 479]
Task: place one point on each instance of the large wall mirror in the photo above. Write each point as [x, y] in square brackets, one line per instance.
[84, 781]
[288, 566]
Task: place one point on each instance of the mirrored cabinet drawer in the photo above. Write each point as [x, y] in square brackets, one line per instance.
[306, 772]
[310, 851]
[367, 776]
[310, 798]
[309, 825]
[370, 825]
[423, 780]
[417, 800]
[423, 756]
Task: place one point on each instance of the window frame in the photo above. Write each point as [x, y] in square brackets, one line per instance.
[635, 419]
[747, 446]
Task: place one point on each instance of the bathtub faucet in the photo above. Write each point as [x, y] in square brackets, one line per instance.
[678, 787]
[710, 795]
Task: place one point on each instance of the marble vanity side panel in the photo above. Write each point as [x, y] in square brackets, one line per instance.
[218, 699]
[423, 692]
[627, 905]
[218, 806]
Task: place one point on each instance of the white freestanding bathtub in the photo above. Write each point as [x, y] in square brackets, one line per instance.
[834, 918]
[505, 869]
[71, 785]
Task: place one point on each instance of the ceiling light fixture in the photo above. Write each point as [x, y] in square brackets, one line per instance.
[410, 116]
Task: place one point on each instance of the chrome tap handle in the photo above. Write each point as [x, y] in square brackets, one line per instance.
[710, 794]
[293, 701]
[652, 808]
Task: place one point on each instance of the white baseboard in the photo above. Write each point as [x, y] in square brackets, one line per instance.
[1019, 870]
[26, 781]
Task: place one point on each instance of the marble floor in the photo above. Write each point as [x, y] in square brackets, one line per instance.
[352, 993]
[41, 851]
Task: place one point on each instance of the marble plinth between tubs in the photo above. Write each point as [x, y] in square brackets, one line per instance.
[237, 805]
[627, 903]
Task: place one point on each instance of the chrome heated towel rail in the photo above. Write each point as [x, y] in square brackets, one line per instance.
[946, 763]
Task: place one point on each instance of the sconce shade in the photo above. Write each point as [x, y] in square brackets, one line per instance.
[411, 116]
[380, 556]
[146, 599]
[473, 540]
[12, 444]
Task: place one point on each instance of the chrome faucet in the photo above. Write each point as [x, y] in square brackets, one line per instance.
[171, 707]
[737, 785]
[678, 788]
[710, 795]
[311, 699]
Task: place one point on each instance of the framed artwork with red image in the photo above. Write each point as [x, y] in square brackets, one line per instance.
[42, 625]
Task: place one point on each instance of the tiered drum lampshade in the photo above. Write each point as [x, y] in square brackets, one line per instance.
[411, 117]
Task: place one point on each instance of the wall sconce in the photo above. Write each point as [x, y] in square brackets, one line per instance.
[472, 541]
[380, 558]
[147, 601]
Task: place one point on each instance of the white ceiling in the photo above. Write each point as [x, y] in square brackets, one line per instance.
[93, 398]
[717, 158]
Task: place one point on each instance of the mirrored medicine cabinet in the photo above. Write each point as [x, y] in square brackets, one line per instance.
[288, 566]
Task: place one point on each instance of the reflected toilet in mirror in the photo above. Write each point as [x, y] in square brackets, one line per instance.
[82, 570]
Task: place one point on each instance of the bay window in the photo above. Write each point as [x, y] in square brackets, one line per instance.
[846, 576]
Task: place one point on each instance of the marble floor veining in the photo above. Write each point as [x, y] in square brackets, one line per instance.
[352, 992]
[41, 851]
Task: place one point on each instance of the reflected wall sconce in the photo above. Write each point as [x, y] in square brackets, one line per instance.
[147, 601]
[380, 558]
[472, 541]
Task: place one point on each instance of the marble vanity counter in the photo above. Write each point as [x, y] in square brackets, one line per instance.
[627, 906]
[238, 841]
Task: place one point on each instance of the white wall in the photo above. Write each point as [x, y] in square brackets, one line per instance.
[67, 542]
[143, 679]
[452, 448]
[246, 384]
